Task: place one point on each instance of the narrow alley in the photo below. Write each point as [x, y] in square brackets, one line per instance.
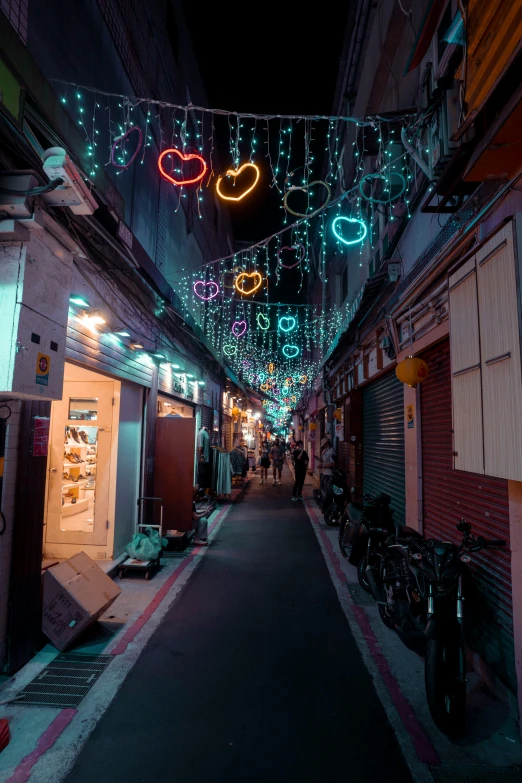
[253, 674]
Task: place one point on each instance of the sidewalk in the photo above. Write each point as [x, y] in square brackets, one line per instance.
[492, 736]
[122, 631]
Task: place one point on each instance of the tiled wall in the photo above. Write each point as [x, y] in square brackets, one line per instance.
[7, 506]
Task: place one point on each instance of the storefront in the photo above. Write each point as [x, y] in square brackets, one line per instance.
[383, 441]
[448, 495]
[93, 465]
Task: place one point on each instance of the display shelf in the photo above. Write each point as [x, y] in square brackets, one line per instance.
[70, 509]
[73, 464]
[78, 483]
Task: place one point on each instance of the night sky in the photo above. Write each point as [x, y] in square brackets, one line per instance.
[271, 57]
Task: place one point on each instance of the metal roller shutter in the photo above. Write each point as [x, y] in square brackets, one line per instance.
[383, 441]
[448, 496]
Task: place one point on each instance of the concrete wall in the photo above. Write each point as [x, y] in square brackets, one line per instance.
[128, 471]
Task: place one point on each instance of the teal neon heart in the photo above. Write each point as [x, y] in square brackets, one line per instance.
[263, 322]
[362, 230]
[289, 324]
[290, 351]
[230, 350]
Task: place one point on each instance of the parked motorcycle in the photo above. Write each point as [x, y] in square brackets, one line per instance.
[364, 531]
[333, 501]
[419, 591]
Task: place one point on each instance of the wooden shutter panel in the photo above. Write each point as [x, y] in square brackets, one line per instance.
[465, 370]
[500, 349]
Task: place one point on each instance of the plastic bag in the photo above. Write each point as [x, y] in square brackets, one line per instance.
[145, 546]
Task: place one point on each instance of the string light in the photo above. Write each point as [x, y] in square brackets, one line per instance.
[263, 322]
[287, 323]
[239, 328]
[362, 227]
[120, 142]
[302, 253]
[291, 351]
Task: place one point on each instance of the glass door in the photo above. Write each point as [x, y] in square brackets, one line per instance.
[79, 464]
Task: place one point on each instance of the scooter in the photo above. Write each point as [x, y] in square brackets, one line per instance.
[364, 532]
[333, 501]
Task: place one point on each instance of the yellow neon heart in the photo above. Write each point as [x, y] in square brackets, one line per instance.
[235, 173]
[264, 387]
[258, 277]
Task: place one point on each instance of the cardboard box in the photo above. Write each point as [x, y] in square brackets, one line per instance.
[75, 594]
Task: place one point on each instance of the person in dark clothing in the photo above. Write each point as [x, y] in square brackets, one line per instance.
[300, 458]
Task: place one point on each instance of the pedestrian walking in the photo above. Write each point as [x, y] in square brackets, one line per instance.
[277, 455]
[300, 458]
[264, 461]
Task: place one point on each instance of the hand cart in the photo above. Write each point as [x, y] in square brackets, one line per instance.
[144, 566]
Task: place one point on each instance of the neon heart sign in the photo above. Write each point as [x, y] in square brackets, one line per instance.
[290, 351]
[372, 177]
[235, 173]
[183, 159]
[362, 228]
[240, 279]
[230, 350]
[120, 142]
[263, 322]
[302, 252]
[289, 323]
[264, 387]
[200, 286]
[305, 189]
[239, 328]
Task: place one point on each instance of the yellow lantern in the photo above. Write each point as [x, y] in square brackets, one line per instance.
[313, 426]
[411, 371]
[235, 411]
[338, 414]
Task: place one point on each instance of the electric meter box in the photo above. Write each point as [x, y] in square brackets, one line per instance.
[35, 285]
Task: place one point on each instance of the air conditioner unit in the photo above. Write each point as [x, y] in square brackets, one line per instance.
[74, 193]
[386, 342]
[441, 129]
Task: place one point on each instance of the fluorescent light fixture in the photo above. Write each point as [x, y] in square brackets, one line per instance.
[122, 334]
[97, 320]
[176, 366]
[136, 346]
[189, 375]
[79, 300]
[201, 383]
[159, 355]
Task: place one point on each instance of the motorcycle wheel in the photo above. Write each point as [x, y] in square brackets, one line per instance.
[385, 617]
[331, 516]
[361, 574]
[445, 689]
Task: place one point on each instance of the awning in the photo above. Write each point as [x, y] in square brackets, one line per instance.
[425, 35]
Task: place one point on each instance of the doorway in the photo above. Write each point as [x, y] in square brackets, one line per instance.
[82, 466]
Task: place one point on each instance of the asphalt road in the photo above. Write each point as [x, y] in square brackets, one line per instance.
[254, 674]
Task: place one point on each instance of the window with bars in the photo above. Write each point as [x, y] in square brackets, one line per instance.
[17, 12]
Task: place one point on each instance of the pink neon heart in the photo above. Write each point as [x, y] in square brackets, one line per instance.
[294, 247]
[239, 328]
[200, 287]
[119, 141]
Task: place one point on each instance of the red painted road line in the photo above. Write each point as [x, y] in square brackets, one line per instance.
[46, 741]
[426, 753]
[145, 616]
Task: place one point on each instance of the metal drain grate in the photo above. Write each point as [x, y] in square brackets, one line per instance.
[461, 773]
[65, 681]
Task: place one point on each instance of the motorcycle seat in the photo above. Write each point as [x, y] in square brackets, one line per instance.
[354, 513]
[404, 531]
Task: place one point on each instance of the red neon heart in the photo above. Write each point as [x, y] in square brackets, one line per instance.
[184, 158]
[294, 247]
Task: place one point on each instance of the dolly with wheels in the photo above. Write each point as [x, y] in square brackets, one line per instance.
[144, 566]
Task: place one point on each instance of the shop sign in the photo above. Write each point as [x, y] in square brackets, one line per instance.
[410, 416]
[311, 435]
[215, 421]
[43, 363]
[339, 431]
[41, 436]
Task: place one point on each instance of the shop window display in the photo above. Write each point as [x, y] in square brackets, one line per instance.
[79, 475]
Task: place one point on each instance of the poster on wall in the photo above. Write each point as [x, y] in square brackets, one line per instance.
[339, 431]
[41, 436]
[215, 421]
